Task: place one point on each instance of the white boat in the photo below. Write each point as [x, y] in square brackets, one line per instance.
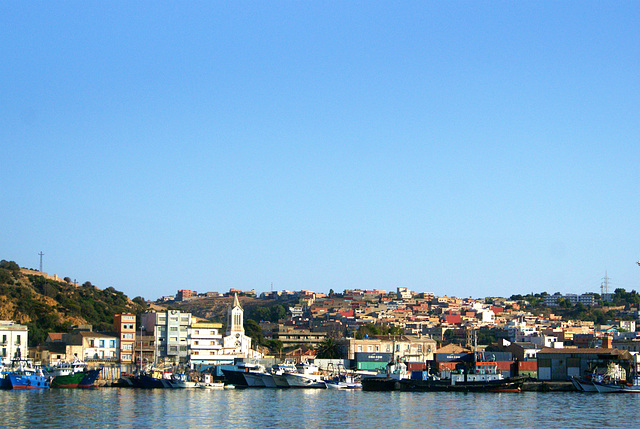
[254, 379]
[308, 376]
[279, 370]
[211, 386]
[182, 381]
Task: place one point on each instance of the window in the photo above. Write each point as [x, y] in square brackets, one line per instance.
[195, 343]
[127, 347]
[197, 332]
[101, 343]
[359, 348]
[18, 340]
[377, 348]
[112, 343]
[127, 336]
[4, 339]
[173, 329]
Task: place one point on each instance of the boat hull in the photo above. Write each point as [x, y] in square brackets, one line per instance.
[380, 384]
[513, 384]
[147, 382]
[235, 377]
[28, 381]
[82, 380]
[304, 381]
[280, 380]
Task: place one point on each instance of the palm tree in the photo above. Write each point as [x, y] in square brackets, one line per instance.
[329, 349]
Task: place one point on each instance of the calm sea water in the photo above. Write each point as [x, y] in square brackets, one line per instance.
[253, 408]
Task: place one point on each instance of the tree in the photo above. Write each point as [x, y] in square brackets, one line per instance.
[329, 349]
[9, 265]
[253, 330]
[278, 312]
[140, 301]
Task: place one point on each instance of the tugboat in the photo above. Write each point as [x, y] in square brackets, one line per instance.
[481, 377]
[390, 380]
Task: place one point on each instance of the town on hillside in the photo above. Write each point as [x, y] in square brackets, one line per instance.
[545, 337]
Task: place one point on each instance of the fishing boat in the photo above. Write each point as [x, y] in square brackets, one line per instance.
[182, 381]
[152, 378]
[23, 375]
[344, 382]
[612, 379]
[73, 375]
[209, 383]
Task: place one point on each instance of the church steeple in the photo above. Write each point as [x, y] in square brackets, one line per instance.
[235, 316]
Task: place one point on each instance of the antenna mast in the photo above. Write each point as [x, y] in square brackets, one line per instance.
[41, 255]
[604, 286]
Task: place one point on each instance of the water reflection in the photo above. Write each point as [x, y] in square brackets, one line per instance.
[124, 408]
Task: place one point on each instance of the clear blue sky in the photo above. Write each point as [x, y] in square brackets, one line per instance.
[462, 148]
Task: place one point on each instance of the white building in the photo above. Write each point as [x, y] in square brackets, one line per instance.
[486, 317]
[235, 342]
[404, 293]
[100, 346]
[205, 345]
[13, 341]
[170, 330]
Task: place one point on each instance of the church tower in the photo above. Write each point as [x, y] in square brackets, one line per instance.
[235, 317]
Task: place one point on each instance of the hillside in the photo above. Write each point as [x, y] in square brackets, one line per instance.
[214, 309]
[48, 305]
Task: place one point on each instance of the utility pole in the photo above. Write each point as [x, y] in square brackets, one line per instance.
[41, 255]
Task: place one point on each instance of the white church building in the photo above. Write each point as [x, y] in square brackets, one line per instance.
[207, 347]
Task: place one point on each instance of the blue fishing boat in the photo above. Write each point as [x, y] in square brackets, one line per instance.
[23, 375]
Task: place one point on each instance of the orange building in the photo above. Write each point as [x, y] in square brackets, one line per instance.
[125, 325]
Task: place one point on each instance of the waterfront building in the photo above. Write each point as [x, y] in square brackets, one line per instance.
[13, 340]
[94, 346]
[125, 326]
[375, 352]
[144, 349]
[205, 344]
[170, 331]
[562, 364]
